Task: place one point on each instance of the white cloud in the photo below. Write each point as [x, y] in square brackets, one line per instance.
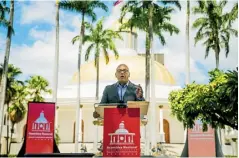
[38, 12]
[70, 20]
[76, 22]
[40, 34]
[2, 42]
[114, 16]
[38, 59]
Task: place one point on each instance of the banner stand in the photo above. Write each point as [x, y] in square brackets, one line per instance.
[121, 131]
[40, 130]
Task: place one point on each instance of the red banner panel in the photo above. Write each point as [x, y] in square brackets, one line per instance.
[121, 132]
[40, 128]
[201, 144]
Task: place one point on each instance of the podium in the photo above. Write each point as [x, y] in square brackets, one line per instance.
[121, 131]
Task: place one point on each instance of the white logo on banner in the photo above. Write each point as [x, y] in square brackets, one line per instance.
[121, 142]
[121, 136]
[41, 124]
[41, 128]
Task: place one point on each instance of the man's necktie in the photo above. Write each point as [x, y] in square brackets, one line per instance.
[121, 97]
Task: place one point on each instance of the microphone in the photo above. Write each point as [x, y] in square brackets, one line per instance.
[121, 104]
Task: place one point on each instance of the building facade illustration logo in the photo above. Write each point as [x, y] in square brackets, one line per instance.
[121, 142]
[41, 124]
[121, 136]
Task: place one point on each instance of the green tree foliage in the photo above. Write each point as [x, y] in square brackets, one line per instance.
[4, 9]
[214, 26]
[37, 86]
[13, 73]
[18, 94]
[139, 19]
[215, 103]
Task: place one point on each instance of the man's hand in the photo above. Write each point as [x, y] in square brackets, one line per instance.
[139, 91]
[95, 114]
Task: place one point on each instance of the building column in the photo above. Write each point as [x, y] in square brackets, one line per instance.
[130, 41]
[236, 143]
[161, 132]
[96, 137]
[136, 44]
[147, 139]
[144, 136]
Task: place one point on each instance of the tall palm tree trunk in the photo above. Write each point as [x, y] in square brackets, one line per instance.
[7, 145]
[217, 48]
[147, 88]
[217, 51]
[148, 96]
[97, 79]
[97, 73]
[12, 131]
[147, 67]
[78, 94]
[217, 58]
[188, 44]
[152, 78]
[187, 63]
[5, 66]
[56, 64]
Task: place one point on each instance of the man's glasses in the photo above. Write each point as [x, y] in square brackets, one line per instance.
[124, 71]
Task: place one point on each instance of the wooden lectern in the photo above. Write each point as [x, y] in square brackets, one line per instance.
[121, 134]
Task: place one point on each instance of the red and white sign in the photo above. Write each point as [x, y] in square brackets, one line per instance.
[121, 132]
[40, 127]
[201, 144]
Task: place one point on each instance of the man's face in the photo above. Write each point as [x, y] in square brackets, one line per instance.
[122, 74]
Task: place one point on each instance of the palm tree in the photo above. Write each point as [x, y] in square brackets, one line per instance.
[233, 14]
[37, 86]
[5, 66]
[152, 18]
[101, 40]
[13, 73]
[214, 27]
[17, 110]
[85, 8]
[3, 10]
[10, 93]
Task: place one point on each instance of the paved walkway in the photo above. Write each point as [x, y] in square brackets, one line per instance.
[173, 149]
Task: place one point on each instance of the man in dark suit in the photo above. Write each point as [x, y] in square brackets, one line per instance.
[123, 90]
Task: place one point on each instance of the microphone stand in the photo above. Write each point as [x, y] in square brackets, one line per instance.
[121, 104]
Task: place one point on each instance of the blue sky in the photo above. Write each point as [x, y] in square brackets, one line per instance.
[33, 43]
[23, 29]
